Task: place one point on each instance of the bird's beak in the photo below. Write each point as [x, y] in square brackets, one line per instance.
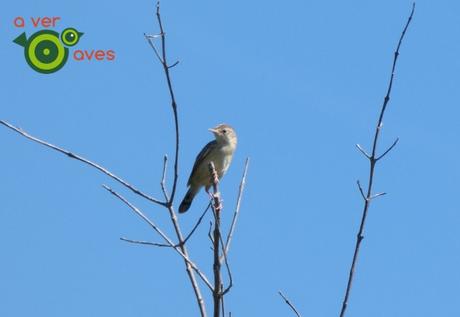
[212, 130]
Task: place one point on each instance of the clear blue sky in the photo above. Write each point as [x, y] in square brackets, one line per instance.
[302, 83]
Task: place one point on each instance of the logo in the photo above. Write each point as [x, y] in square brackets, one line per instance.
[47, 52]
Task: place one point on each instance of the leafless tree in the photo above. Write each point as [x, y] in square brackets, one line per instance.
[373, 159]
[179, 243]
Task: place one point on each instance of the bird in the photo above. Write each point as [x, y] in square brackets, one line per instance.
[220, 152]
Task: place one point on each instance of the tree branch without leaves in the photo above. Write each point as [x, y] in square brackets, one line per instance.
[179, 247]
[162, 57]
[217, 241]
[237, 208]
[169, 204]
[161, 233]
[288, 302]
[82, 159]
[216, 208]
[373, 159]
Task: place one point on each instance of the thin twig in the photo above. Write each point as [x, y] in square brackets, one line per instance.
[229, 271]
[161, 233]
[197, 223]
[163, 178]
[288, 302]
[388, 150]
[150, 39]
[237, 209]
[372, 161]
[362, 151]
[361, 190]
[140, 214]
[82, 159]
[162, 245]
[210, 235]
[164, 63]
[223, 305]
[174, 64]
[378, 195]
[166, 245]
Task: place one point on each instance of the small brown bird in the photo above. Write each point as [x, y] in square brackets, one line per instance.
[220, 152]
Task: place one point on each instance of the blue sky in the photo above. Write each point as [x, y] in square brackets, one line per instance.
[302, 82]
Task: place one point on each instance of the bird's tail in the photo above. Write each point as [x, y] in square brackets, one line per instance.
[187, 201]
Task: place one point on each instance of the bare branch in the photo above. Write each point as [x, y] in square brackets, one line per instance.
[161, 233]
[173, 65]
[169, 204]
[180, 248]
[190, 266]
[81, 159]
[373, 160]
[145, 242]
[223, 306]
[288, 302]
[217, 208]
[165, 245]
[363, 151]
[209, 233]
[388, 150]
[164, 63]
[361, 190]
[377, 195]
[150, 39]
[229, 271]
[140, 214]
[152, 36]
[237, 209]
[197, 223]
[163, 178]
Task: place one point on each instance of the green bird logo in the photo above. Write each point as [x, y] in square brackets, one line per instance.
[45, 52]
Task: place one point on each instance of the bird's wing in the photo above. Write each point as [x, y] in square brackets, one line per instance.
[201, 157]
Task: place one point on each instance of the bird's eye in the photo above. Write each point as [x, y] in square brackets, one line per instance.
[70, 36]
[224, 131]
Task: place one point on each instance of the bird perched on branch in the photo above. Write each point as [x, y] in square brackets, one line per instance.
[220, 152]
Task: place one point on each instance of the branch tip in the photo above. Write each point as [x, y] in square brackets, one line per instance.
[363, 151]
[361, 190]
[288, 302]
[378, 195]
[173, 65]
[388, 150]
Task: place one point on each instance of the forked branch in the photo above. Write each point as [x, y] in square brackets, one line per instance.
[161, 233]
[179, 247]
[163, 59]
[373, 159]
